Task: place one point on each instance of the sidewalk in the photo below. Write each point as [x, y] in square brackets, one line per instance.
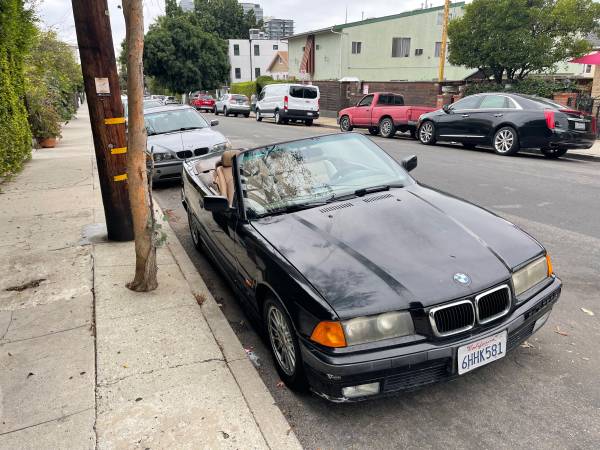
[86, 363]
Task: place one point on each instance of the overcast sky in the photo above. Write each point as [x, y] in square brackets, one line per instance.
[307, 14]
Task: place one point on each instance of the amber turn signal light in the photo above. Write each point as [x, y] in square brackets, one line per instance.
[329, 334]
[549, 261]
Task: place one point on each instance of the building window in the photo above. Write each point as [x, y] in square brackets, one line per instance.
[356, 48]
[275, 47]
[236, 50]
[256, 50]
[438, 49]
[400, 47]
[318, 47]
[280, 60]
[588, 68]
[256, 72]
[238, 73]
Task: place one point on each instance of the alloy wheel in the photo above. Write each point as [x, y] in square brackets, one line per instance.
[345, 123]
[386, 127]
[281, 340]
[426, 132]
[277, 118]
[504, 141]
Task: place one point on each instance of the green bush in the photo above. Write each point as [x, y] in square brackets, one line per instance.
[16, 25]
[247, 88]
[262, 81]
[530, 86]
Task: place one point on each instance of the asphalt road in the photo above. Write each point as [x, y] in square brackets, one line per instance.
[543, 395]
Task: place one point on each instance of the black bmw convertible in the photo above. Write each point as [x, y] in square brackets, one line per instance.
[366, 282]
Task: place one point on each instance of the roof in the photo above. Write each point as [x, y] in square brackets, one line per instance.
[414, 12]
[280, 54]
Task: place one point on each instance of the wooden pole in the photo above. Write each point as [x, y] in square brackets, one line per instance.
[444, 40]
[101, 82]
[139, 192]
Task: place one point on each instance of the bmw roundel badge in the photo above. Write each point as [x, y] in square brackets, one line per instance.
[462, 278]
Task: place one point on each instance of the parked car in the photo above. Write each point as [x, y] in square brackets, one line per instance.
[203, 102]
[178, 132]
[509, 123]
[366, 282]
[382, 113]
[285, 102]
[232, 104]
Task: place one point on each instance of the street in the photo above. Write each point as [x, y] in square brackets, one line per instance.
[545, 394]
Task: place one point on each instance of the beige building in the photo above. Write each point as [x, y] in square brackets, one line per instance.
[279, 67]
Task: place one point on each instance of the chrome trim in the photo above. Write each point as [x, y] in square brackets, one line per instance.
[432, 312]
[462, 135]
[500, 314]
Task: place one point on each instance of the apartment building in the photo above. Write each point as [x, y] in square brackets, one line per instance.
[251, 58]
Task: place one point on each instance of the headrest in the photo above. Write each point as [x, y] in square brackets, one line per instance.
[227, 157]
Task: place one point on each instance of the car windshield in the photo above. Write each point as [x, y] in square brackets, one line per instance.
[173, 120]
[305, 173]
[152, 104]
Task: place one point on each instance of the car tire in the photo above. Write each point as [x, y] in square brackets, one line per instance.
[554, 153]
[426, 133]
[386, 128]
[286, 355]
[308, 122]
[345, 124]
[374, 131]
[247, 115]
[216, 111]
[258, 116]
[194, 232]
[277, 117]
[506, 141]
[225, 113]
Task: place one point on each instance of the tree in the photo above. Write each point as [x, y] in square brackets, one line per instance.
[139, 195]
[223, 18]
[513, 38]
[181, 56]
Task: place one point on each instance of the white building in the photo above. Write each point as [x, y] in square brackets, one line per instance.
[187, 5]
[258, 11]
[251, 58]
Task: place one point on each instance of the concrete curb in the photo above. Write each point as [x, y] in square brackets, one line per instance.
[276, 430]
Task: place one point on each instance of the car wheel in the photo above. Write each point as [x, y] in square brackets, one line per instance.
[345, 124]
[373, 131]
[225, 113]
[194, 232]
[277, 117]
[506, 141]
[308, 122]
[216, 111]
[284, 345]
[427, 133]
[258, 116]
[553, 153]
[386, 128]
[247, 115]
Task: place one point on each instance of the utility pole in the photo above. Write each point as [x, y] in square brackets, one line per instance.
[444, 40]
[101, 82]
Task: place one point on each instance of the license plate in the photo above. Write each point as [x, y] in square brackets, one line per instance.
[309, 114]
[579, 125]
[482, 352]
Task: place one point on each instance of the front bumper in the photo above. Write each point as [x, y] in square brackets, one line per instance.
[419, 364]
[167, 171]
[571, 139]
[298, 114]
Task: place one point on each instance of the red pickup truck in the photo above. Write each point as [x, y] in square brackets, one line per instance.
[382, 113]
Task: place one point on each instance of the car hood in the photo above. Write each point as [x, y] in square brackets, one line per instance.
[398, 249]
[185, 140]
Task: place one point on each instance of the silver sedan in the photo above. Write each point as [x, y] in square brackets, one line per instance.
[235, 104]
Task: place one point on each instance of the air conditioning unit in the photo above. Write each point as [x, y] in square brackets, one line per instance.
[418, 51]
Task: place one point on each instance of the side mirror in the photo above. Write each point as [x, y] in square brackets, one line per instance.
[447, 109]
[214, 123]
[409, 163]
[216, 203]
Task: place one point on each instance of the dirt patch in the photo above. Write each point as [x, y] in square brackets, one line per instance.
[28, 285]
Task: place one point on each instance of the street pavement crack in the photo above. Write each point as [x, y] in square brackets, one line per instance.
[8, 326]
[43, 335]
[66, 416]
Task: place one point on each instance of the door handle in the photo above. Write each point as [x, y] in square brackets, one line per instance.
[466, 115]
[498, 115]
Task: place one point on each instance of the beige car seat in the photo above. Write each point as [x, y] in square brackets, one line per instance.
[224, 175]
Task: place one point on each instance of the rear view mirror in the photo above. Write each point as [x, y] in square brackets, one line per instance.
[216, 203]
[409, 163]
[214, 123]
[446, 109]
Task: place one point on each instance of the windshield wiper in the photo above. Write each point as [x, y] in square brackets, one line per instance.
[189, 128]
[296, 207]
[370, 190]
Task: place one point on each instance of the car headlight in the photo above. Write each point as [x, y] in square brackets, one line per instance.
[532, 274]
[163, 156]
[221, 147]
[376, 328]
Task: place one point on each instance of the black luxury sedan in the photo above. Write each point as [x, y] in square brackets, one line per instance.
[508, 123]
[366, 282]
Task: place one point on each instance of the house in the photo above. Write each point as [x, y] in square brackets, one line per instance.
[398, 47]
[279, 67]
[251, 58]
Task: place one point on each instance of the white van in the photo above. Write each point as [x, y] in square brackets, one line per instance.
[285, 102]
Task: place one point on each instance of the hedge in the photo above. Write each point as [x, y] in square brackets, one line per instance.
[254, 87]
[530, 86]
[15, 137]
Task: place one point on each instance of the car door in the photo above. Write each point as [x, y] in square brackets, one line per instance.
[455, 125]
[492, 110]
[362, 113]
